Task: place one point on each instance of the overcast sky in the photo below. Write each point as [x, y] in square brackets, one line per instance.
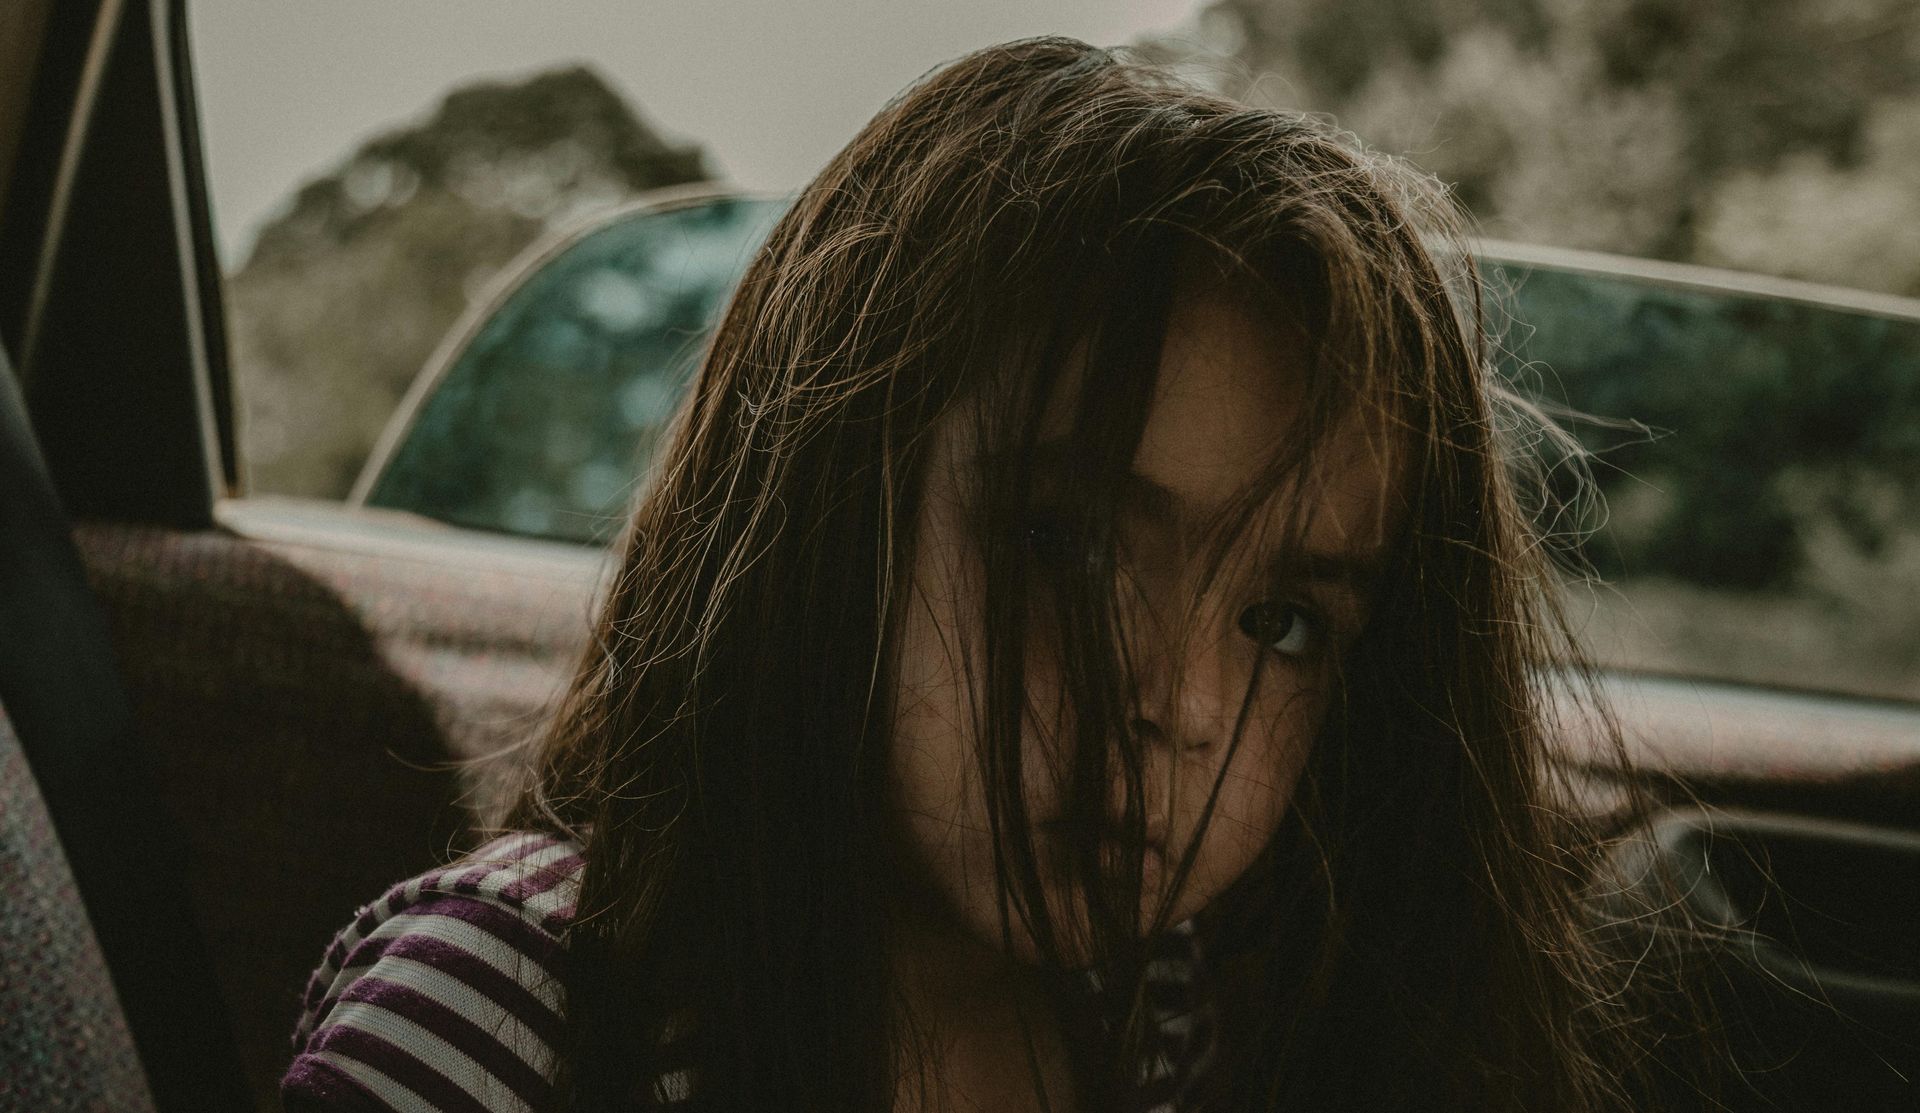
[770, 87]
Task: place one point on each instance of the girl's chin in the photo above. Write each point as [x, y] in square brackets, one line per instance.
[1069, 915]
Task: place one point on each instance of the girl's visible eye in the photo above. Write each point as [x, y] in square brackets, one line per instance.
[1285, 628]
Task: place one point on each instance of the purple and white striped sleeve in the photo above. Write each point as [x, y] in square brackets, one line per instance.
[444, 994]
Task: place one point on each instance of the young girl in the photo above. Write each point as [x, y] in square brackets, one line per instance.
[1079, 652]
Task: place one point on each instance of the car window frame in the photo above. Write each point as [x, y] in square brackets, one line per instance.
[1697, 277]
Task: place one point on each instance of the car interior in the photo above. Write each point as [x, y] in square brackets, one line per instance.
[226, 722]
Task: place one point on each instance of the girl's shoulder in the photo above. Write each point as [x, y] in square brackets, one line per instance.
[446, 992]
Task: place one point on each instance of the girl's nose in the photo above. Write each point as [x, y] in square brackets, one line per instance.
[1156, 782]
[1186, 701]
[1185, 707]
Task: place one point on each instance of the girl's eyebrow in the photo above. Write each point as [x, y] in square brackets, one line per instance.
[1359, 570]
[1049, 460]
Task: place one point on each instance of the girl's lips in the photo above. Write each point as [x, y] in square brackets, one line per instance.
[1152, 857]
[1154, 837]
[1114, 847]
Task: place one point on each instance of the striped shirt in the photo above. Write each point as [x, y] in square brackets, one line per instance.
[445, 994]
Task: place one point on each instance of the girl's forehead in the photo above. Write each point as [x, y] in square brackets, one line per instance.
[1231, 392]
[1231, 383]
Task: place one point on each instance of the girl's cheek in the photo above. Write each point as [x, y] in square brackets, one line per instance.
[1256, 789]
[1046, 729]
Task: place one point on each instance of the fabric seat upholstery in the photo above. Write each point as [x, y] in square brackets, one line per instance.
[63, 1038]
[308, 705]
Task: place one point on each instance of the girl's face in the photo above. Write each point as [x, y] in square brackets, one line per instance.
[1230, 384]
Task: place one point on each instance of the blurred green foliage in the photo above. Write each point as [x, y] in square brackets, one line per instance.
[1777, 136]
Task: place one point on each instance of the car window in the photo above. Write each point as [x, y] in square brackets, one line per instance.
[547, 415]
[1751, 455]
[1756, 451]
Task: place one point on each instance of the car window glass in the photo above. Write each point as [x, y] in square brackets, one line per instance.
[1752, 463]
[1758, 462]
[549, 414]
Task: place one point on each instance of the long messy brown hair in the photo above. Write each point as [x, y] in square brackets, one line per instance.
[1411, 939]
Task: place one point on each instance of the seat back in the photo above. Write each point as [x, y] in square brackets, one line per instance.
[64, 1043]
[123, 850]
[310, 688]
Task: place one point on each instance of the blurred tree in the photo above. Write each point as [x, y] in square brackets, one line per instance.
[350, 288]
[1679, 129]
